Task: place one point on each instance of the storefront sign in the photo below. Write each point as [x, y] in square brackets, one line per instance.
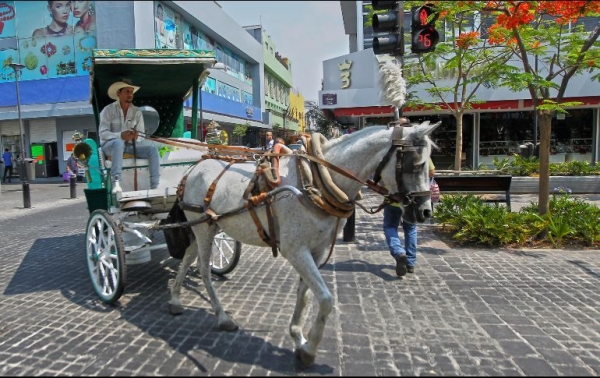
[345, 73]
[329, 99]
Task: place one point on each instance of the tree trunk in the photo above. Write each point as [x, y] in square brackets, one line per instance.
[545, 124]
[459, 139]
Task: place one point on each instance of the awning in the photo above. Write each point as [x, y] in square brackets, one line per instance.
[370, 111]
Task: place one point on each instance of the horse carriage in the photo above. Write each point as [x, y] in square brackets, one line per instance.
[247, 195]
[123, 226]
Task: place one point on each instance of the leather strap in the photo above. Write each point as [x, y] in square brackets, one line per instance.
[271, 224]
[211, 190]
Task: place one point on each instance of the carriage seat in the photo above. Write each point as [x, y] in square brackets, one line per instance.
[173, 165]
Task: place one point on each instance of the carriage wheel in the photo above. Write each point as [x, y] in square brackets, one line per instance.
[225, 254]
[105, 256]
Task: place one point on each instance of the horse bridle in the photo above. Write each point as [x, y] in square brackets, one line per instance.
[401, 146]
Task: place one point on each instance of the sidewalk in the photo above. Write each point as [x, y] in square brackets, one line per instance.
[464, 312]
[44, 193]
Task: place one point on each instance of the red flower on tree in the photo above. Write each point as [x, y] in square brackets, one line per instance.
[466, 40]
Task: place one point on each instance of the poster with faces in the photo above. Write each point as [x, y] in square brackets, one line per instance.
[51, 39]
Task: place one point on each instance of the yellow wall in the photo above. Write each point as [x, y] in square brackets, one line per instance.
[297, 109]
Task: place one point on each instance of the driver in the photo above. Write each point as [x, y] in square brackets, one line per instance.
[119, 125]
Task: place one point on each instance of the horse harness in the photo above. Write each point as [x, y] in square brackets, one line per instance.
[405, 153]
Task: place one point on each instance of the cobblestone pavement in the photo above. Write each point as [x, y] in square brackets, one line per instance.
[464, 312]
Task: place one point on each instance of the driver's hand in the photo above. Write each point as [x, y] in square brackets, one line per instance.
[129, 135]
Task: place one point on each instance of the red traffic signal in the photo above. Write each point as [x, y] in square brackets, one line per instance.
[424, 37]
[421, 16]
[425, 40]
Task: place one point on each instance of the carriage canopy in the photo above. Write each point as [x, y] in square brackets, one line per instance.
[166, 77]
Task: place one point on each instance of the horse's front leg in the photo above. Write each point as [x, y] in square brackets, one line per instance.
[205, 238]
[309, 273]
[191, 253]
[299, 316]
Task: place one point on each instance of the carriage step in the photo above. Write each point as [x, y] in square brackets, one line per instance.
[147, 194]
[136, 205]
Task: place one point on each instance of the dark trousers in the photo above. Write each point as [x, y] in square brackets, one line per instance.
[9, 169]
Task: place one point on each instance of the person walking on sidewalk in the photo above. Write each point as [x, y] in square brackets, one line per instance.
[405, 256]
[8, 164]
[72, 165]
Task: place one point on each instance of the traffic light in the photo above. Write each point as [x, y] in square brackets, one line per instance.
[388, 22]
[424, 37]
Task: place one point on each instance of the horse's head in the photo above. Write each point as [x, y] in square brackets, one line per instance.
[406, 174]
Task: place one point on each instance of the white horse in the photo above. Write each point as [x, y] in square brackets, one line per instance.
[304, 238]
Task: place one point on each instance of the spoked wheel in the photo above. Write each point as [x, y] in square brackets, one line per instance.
[225, 254]
[105, 256]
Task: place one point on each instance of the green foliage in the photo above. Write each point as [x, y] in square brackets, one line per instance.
[522, 166]
[317, 118]
[240, 130]
[472, 221]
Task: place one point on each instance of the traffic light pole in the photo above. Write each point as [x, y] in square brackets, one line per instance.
[400, 56]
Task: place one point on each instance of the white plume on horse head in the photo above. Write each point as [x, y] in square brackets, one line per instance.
[392, 83]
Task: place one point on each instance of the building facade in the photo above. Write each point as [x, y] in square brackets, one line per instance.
[55, 42]
[282, 114]
[495, 129]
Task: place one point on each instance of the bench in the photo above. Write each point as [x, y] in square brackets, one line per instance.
[497, 185]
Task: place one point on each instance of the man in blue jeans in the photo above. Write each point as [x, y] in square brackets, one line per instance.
[406, 257]
[120, 122]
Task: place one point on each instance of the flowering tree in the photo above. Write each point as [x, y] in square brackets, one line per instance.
[546, 32]
[458, 67]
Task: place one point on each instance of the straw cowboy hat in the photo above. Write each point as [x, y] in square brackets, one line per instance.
[117, 86]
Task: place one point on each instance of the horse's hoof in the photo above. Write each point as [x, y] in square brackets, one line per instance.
[306, 359]
[175, 309]
[228, 325]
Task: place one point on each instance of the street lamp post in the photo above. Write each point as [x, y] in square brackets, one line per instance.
[17, 67]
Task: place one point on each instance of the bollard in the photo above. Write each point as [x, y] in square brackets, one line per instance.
[26, 196]
[349, 228]
[73, 185]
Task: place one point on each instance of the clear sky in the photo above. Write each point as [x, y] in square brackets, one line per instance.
[307, 32]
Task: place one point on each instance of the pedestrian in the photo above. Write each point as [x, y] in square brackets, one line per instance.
[7, 158]
[120, 122]
[405, 256]
[72, 165]
[270, 141]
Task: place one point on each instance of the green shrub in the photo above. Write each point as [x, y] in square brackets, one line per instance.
[472, 221]
[521, 166]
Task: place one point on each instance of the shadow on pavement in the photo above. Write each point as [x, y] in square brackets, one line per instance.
[51, 264]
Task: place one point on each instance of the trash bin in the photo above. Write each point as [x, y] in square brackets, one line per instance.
[526, 150]
[27, 169]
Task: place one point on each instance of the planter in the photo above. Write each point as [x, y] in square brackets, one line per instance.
[578, 184]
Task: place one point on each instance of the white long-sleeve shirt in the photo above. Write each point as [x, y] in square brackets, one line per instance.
[113, 122]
